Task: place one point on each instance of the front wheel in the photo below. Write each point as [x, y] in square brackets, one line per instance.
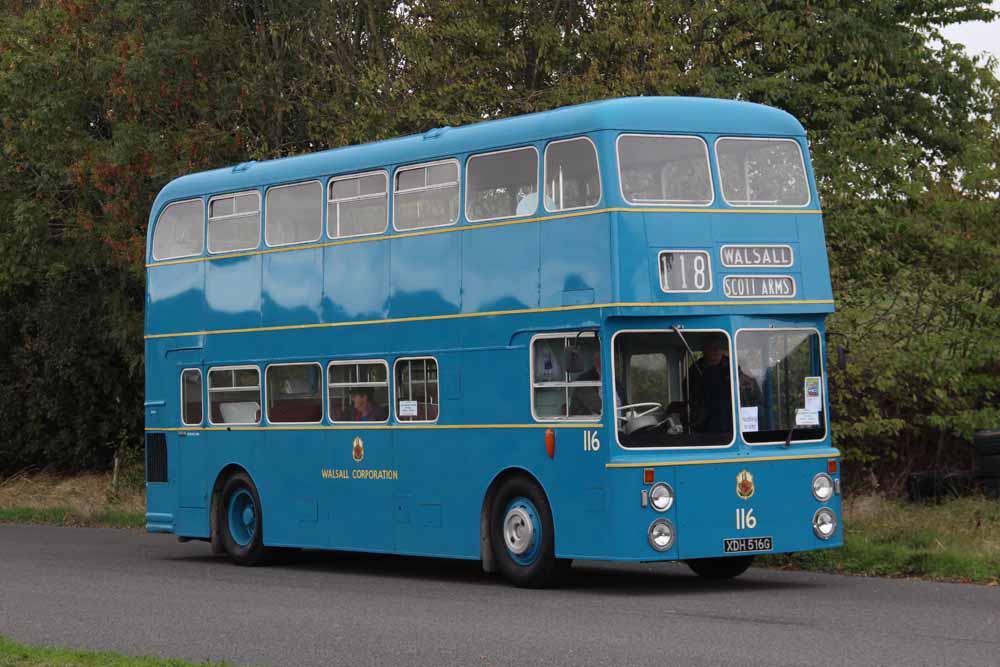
[720, 568]
[240, 521]
[522, 536]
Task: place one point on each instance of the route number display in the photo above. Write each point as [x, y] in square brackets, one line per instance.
[685, 271]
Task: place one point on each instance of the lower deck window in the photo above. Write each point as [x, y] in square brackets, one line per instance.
[566, 377]
[359, 391]
[417, 397]
[294, 394]
[673, 389]
[234, 395]
[783, 399]
[191, 397]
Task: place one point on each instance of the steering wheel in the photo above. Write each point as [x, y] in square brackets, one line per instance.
[637, 421]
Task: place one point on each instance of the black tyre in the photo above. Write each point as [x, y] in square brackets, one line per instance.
[988, 466]
[522, 536]
[987, 443]
[241, 521]
[720, 568]
[990, 487]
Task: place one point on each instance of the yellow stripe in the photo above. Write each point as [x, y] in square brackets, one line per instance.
[372, 427]
[745, 459]
[493, 313]
[466, 228]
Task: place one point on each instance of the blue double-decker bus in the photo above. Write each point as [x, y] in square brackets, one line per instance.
[589, 333]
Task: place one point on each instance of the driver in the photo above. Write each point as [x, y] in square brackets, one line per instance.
[711, 390]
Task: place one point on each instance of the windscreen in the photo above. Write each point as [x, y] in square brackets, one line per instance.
[673, 389]
[783, 394]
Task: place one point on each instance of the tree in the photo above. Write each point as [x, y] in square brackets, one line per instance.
[102, 103]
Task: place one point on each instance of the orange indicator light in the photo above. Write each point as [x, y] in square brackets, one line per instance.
[647, 476]
[831, 466]
[550, 442]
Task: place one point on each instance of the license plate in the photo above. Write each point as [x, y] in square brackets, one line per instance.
[739, 545]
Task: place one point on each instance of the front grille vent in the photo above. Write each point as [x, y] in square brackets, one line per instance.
[156, 457]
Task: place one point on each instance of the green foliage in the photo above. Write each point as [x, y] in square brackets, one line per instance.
[102, 103]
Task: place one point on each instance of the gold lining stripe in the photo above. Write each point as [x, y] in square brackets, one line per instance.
[493, 313]
[384, 236]
[745, 459]
[371, 427]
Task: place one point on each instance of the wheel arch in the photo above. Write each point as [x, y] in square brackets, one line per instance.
[485, 540]
[227, 471]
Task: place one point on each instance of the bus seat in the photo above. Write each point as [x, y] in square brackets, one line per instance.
[240, 412]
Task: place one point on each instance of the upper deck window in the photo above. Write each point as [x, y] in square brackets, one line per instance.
[426, 196]
[358, 205]
[572, 177]
[180, 230]
[664, 171]
[294, 213]
[502, 184]
[762, 172]
[234, 222]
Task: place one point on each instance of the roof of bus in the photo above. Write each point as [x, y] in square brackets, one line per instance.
[694, 115]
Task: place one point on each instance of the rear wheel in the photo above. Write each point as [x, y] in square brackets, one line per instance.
[240, 520]
[720, 568]
[521, 534]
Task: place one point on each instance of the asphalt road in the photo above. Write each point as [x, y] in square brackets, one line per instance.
[143, 594]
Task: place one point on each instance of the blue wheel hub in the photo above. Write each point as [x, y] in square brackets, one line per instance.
[522, 531]
[242, 514]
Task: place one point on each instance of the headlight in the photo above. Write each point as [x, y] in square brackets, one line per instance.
[661, 534]
[822, 487]
[824, 523]
[661, 497]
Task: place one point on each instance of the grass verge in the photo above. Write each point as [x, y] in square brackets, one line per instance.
[13, 654]
[91, 499]
[955, 540]
[67, 516]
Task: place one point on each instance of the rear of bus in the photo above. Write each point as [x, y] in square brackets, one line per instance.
[721, 441]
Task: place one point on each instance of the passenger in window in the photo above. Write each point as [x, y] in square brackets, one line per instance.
[711, 393]
[365, 407]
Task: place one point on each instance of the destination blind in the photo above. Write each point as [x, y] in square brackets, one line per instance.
[770, 256]
[753, 287]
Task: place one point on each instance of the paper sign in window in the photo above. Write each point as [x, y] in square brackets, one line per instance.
[407, 408]
[748, 419]
[806, 418]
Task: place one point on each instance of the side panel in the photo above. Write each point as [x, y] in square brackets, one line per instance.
[292, 287]
[174, 298]
[232, 293]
